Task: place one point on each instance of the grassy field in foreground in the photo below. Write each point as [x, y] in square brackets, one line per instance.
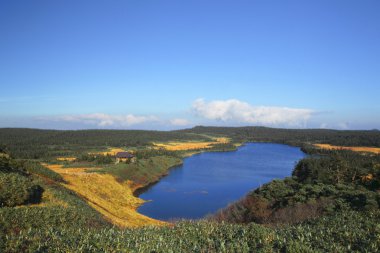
[356, 149]
[108, 196]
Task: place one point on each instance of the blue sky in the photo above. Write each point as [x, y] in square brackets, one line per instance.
[174, 64]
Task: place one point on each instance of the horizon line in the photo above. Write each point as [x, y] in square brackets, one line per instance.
[205, 126]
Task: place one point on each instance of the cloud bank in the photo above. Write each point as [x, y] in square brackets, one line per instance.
[234, 111]
[230, 112]
[104, 120]
[107, 120]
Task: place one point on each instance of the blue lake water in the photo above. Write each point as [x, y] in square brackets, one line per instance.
[209, 181]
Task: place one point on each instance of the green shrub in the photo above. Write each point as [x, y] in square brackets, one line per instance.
[17, 190]
[8, 165]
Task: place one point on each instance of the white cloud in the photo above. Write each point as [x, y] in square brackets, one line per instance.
[235, 111]
[180, 122]
[107, 120]
[230, 112]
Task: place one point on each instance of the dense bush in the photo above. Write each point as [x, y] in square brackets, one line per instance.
[287, 201]
[148, 153]
[16, 189]
[8, 165]
[340, 167]
[16, 185]
[98, 159]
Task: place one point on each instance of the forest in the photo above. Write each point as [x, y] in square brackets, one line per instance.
[330, 203]
[38, 144]
[295, 137]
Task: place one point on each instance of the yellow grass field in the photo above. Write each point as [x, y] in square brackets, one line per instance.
[104, 193]
[68, 159]
[111, 151]
[356, 149]
[183, 146]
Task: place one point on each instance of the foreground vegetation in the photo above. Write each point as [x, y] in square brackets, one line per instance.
[329, 204]
[343, 232]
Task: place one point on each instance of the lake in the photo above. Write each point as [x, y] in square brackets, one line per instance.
[209, 181]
